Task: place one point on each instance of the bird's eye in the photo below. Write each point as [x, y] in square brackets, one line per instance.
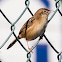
[44, 11]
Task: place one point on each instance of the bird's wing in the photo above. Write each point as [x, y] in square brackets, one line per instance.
[29, 23]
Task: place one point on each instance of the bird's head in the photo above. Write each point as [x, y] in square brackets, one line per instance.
[43, 11]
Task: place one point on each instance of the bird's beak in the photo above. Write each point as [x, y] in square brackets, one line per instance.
[51, 11]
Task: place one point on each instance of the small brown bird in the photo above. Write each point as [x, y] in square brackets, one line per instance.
[35, 26]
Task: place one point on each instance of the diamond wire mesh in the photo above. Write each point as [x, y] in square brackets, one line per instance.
[27, 2]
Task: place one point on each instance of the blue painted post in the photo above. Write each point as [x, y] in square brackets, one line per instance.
[41, 53]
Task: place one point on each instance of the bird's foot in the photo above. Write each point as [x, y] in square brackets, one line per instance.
[30, 49]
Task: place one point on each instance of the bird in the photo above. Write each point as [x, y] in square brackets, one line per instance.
[34, 26]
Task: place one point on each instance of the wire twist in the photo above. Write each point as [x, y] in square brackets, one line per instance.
[59, 57]
[58, 10]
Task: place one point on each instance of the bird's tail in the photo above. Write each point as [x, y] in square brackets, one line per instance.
[11, 44]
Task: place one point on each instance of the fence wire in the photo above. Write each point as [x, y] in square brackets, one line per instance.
[27, 2]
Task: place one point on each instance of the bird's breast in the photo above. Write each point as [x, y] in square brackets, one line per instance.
[35, 30]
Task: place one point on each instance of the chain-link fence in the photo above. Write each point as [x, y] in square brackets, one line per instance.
[27, 2]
